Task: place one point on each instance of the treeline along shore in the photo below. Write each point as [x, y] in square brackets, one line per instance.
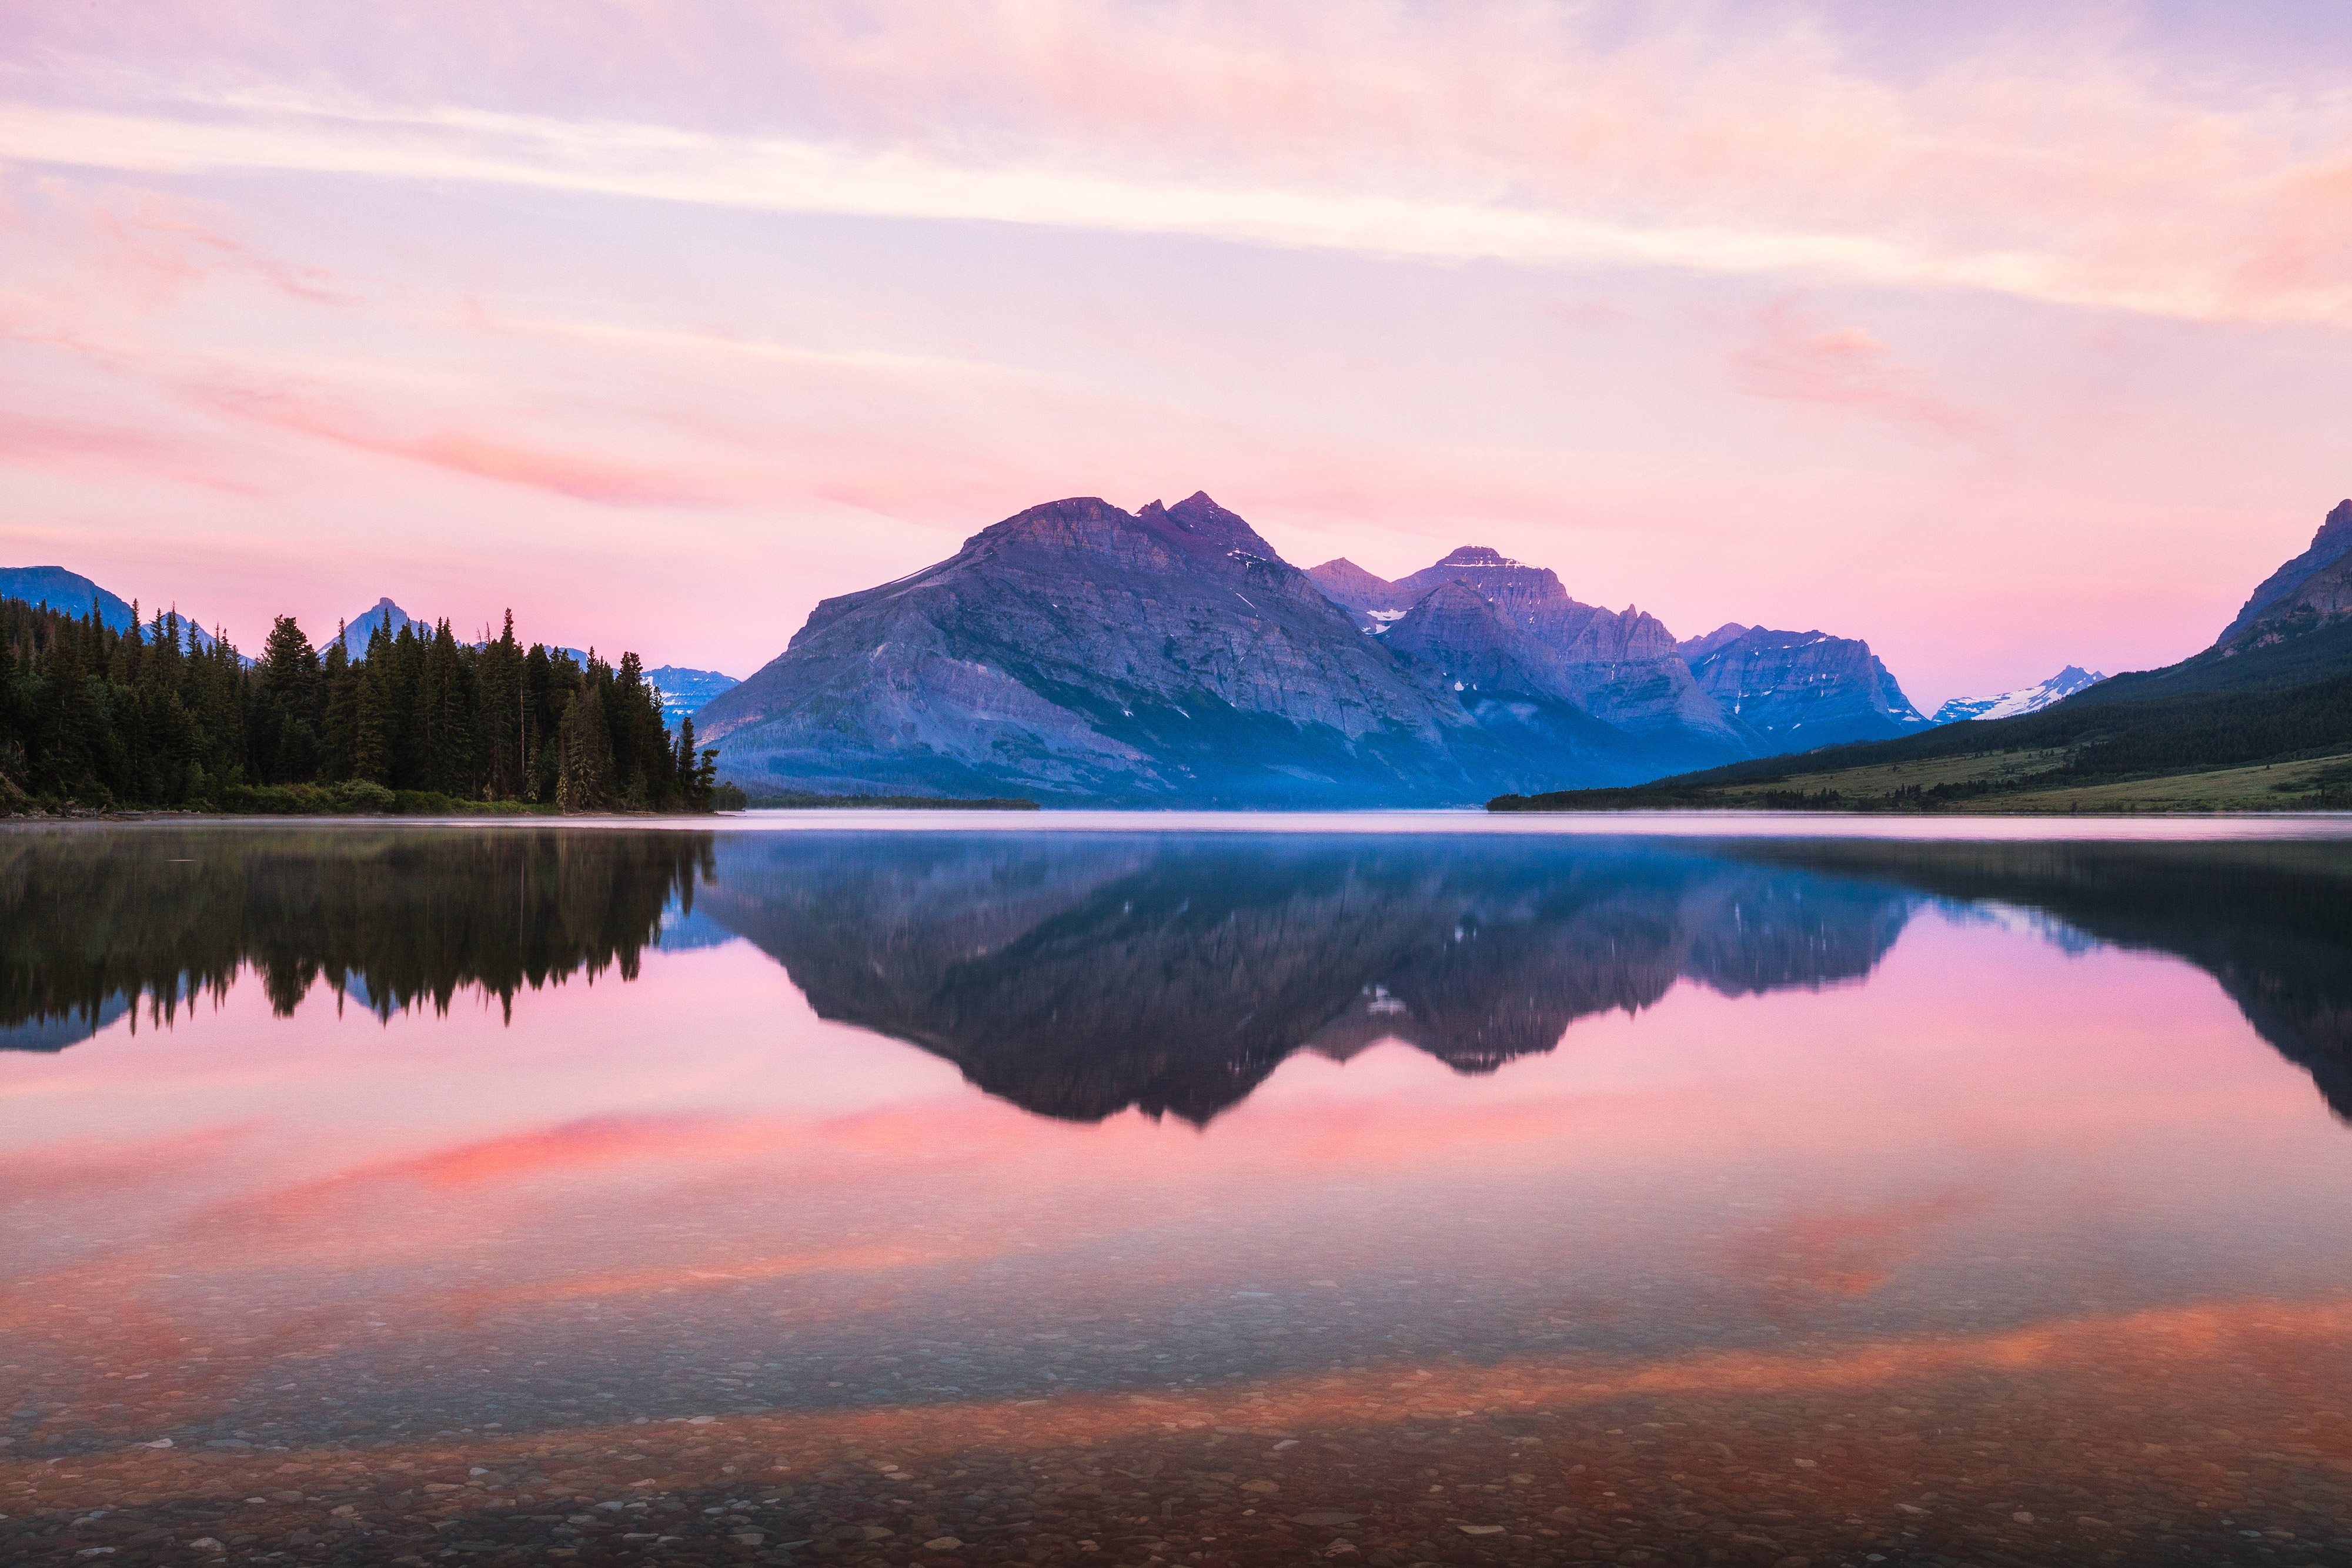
[93, 717]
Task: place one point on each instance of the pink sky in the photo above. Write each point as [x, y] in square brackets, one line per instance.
[2003, 344]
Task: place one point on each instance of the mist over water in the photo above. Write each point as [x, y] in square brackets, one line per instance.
[1103, 1195]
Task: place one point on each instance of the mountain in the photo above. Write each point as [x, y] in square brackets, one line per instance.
[1079, 652]
[684, 690]
[1802, 689]
[1694, 649]
[2295, 630]
[1620, 666]
[2321, 599]
[2329, 546]
[72, 591]
[2025, 699]
[1519, 690]
[383, 613]
[2260, 721]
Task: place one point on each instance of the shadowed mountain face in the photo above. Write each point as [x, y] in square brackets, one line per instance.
[1621, 667]
[1080, 651]
[1802, 689]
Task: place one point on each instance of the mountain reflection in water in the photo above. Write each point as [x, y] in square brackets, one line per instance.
[1561, 1199]
[1080, 975]
[1078, 978]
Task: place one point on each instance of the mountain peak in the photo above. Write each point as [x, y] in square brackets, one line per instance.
[1202, 519]
[2337, 525]
[2329, 545]
[2023, 700]
[1477, 555]
[1346, 583]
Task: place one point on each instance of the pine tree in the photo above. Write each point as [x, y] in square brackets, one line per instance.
[373, 722]
[584, 783]
[501, 758]
[287, 715]
[338, 711]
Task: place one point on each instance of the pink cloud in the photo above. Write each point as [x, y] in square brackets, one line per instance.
[598, 480]
[1844, 367]
[97, 450]
[1019, 329]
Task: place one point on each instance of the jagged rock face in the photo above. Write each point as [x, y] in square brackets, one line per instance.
[2332, 544]
[1805, 689]
[2321, 599]
[1694, 649]
[1621, 668]
[1519, 689]
[1472, 646]
[1077, 650]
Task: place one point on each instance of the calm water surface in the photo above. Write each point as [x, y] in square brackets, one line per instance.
[909, 1192]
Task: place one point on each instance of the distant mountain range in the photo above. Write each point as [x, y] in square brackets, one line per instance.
[1078, 652]
[2025, 699]
[72, 591]
[683, 690]
[2260, 720]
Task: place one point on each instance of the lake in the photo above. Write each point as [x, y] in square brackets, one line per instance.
[921, 1189]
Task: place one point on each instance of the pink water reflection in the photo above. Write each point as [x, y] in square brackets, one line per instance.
[1984, 1108]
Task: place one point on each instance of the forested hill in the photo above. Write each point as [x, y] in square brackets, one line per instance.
[92, 716]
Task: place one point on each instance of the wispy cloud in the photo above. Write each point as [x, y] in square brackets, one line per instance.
[1842, 366]
[1572, 199]
[581, 475]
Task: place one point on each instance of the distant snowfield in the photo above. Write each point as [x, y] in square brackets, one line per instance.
[2024, 700]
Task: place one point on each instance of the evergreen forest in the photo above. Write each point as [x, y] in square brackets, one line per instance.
[95, 717]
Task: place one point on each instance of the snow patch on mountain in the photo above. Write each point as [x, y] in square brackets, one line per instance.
[2025, 699]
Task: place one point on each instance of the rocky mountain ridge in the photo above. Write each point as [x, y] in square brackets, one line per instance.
[2318, 595]
[1621, 666]
[1078, 652]
[2278, 592]
[1802, 689]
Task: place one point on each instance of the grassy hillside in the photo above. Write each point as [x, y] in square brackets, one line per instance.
[2184, 745]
